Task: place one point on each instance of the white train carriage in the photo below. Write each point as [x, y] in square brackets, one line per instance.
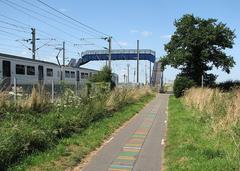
[30, 72]
[81, 75]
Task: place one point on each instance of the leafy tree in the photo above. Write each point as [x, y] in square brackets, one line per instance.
[197, 46]
[104, 75]
[181, 84]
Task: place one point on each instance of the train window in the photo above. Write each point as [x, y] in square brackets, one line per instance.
[30, 70]
[86, 75]
[82, 75]
[72, 74]
[90, 74]
[20, 69]
[49, 72]
[67, 74]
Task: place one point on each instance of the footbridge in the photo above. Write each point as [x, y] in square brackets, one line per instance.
[125, 54]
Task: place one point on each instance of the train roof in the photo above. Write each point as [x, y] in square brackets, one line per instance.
[36, 60]
[25, 58]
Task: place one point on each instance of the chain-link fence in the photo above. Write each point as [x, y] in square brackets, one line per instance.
[54, 90]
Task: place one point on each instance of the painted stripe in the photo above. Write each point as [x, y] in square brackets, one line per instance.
[130, 151]
[120, 166]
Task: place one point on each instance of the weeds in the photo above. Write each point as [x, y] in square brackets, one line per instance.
[223, 107]
[191, 142]
[34, 124]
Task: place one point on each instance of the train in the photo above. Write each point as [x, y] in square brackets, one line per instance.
[27, 71]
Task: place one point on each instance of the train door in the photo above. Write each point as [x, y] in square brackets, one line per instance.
[6, 71]
[40, 73]
[6, 66]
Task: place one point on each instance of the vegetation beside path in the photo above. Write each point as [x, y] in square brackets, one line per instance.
[119, 107]
[202, 140]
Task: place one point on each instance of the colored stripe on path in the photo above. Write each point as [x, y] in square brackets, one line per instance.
[130, 151]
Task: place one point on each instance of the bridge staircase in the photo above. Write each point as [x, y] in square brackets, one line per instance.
[157, 77]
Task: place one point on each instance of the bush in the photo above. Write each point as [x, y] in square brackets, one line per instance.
[228, 85]
[181, 84]
[25, 132]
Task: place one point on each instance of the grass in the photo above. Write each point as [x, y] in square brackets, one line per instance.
[32, 125]
[70, 151]
[193, 145]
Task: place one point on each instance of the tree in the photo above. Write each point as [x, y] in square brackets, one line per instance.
[105, 75]
[197, 46]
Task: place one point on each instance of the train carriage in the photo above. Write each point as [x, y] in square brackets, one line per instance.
[31, 72]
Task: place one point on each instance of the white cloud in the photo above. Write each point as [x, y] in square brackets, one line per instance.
[144, 33]
[24, 52]
[123, 43]
[167, 36]
[62, 9]
[134, 31]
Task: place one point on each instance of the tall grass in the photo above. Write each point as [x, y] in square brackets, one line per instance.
[34, 124]
[222, 107]
[221, 111]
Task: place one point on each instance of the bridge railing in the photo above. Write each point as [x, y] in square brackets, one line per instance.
[120, 51]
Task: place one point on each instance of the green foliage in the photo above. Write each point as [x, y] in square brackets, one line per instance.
[197, 46]
[64, 156]
[228, 85]
[193, 145]
[102, 76]
[24, 133]
[105, 75]
[181, 84]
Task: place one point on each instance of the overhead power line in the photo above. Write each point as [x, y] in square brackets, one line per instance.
[73, 25]
[25, 11]
[89, 27]
[16, 7]
[9, 28]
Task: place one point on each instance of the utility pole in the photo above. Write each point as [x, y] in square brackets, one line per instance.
[109, 51]
[145, 73]
[33, 43]
[150, 73]
[134, 75]
[202, 81]
[137, 62]
[128, 73]
[64, 58]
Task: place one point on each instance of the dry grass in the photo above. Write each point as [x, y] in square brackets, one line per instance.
[4, 100]
[121, 96]
[223, 107]
[36, 102]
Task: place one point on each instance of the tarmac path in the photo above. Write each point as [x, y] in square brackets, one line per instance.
[139, 145]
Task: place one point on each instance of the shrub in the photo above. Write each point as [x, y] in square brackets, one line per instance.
[181, 84]
[228, 85]
[24, 133]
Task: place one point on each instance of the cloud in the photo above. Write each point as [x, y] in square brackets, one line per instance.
[144, 33]
[167, 36]
[63, 10]
[134, 31]
[24, 52]
[124, 44]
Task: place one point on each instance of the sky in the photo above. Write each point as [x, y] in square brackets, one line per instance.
[149, 21]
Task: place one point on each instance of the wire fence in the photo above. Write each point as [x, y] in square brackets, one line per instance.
[53, 91]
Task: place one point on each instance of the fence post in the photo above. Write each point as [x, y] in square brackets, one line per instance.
[52, 91]
[15, 89]
[76, 88]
